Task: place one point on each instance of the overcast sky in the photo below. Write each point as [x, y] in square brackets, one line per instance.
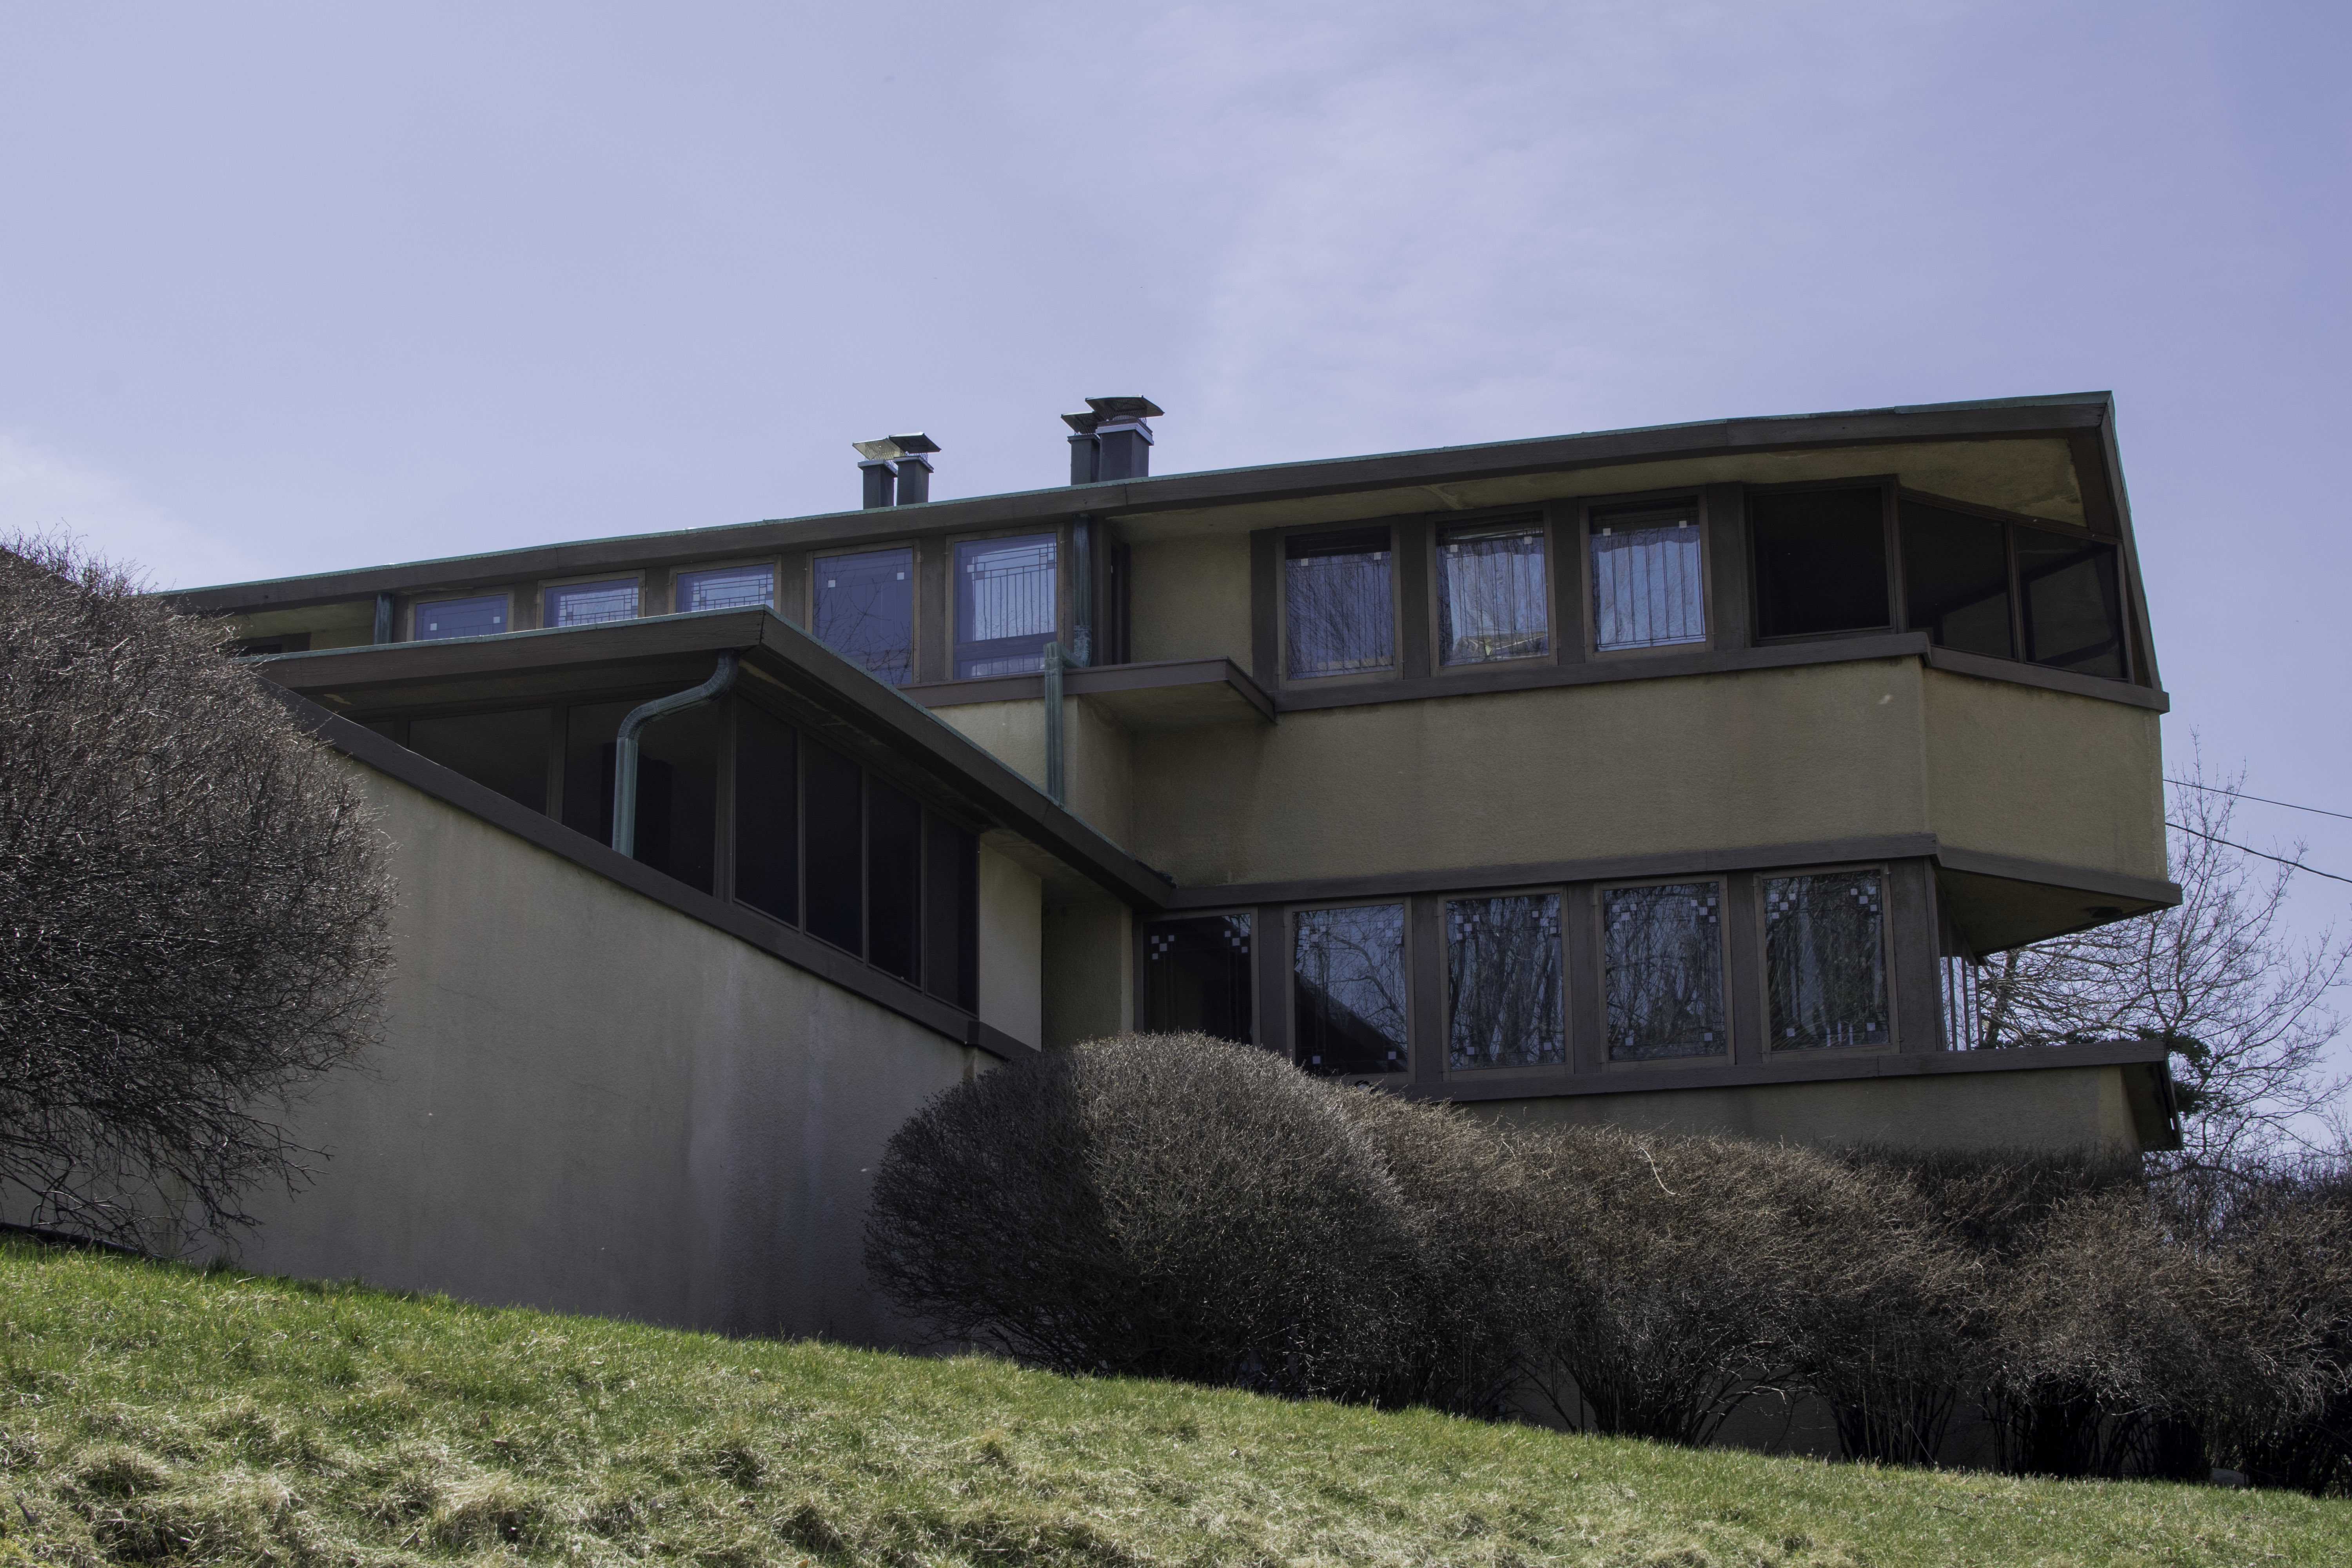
[286, 288]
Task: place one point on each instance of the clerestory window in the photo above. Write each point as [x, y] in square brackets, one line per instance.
[1493, 600]
[864, 611]
[1339, 598]
[1648, 584]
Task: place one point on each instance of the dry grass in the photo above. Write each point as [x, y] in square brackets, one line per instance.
[153, 1413]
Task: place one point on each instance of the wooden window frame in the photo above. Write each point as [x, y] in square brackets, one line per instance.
[1437, 526]
[1534, 1074]
[540, 590]
[1251, 912]
[1400, 623]
[1413, 982]
[1696, 498]
[944, 617]
[1890, 546]
[423, 602]
[1762, 983]
[1726, 991]
[812, 559]
[774, 564]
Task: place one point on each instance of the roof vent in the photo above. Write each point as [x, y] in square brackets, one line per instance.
[1111, 440]
[896, 471]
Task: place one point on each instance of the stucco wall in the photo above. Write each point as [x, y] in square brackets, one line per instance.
[588, 1101]
[1190, 599]
[2044, 774]
[1089, 970]
[1012, 947]
[1568, 772]
[2055, 1109]
[1096, 761]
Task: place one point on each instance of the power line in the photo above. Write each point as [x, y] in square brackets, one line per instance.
[2244, 850]
[2233, 794]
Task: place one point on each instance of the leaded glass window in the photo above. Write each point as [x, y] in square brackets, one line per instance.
[1349, 989]
[591, 604]
[727, 588]
[865, 611]
[1662, 962]
[484, 615]
[1502, 961]
[1647, 590]
[1338, 603]
[1825, 959]
[1196, 973]
[1005, 606]
[1491, 595]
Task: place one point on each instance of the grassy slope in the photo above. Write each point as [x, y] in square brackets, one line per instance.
[153, 1413]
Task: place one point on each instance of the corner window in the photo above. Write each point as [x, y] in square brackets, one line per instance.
[1005, 607]
[727, 588]
[591, 604]
[1338, 603]
[1821, 560]
[1491, 595]
[478, 617]
[1825, 959]
[2074, 617]
[1663, 970]
[1196, 976]
[1955, 580]
[1502, 961]
[1347, 984]
[1647, 587]
[864, 606]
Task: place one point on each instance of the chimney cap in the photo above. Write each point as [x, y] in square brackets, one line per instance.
[1105, 410]
[893, 447]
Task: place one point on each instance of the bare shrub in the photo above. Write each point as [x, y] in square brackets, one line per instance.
[1169, 1206]
[1680, 1276]
[2286, 1231]
[191, 910]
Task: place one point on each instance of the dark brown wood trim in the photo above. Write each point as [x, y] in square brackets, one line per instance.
[1413, 542]
[1477, 879]
[1793, 1068]
[1266, 608]
[781, 941]
[2013, 868]
[1992, 420]
[2019, 673]
[1723, 513]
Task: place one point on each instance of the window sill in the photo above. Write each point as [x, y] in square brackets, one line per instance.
[1642, 1077]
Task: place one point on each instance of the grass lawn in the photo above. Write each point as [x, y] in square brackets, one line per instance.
[154, 1413]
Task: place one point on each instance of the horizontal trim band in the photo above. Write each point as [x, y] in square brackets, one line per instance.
[1672, 863]
[1563, 1084]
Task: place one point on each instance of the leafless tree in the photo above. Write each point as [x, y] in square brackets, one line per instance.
[2243, 1003]
[193, 910]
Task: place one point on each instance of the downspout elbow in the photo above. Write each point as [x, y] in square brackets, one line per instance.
[625, 746]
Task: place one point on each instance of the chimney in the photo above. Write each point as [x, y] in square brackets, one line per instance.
[1111, 440]
[896, 471]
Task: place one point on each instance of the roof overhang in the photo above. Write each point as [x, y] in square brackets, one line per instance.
[2084, 421]
[835, 699]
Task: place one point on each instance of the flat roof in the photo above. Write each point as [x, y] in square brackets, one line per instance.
[2084, 418]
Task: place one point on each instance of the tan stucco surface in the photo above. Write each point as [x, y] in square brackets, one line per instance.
[1567, 773]
[2044, 774]
[1190, 599]
[1096, 760]
[1089, 970]
[2055, 1109]
[1012, 945]
[586, 1100]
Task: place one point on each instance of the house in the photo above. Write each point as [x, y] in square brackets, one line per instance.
[1676, 776]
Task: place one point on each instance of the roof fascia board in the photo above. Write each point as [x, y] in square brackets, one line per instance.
[1997, 419]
